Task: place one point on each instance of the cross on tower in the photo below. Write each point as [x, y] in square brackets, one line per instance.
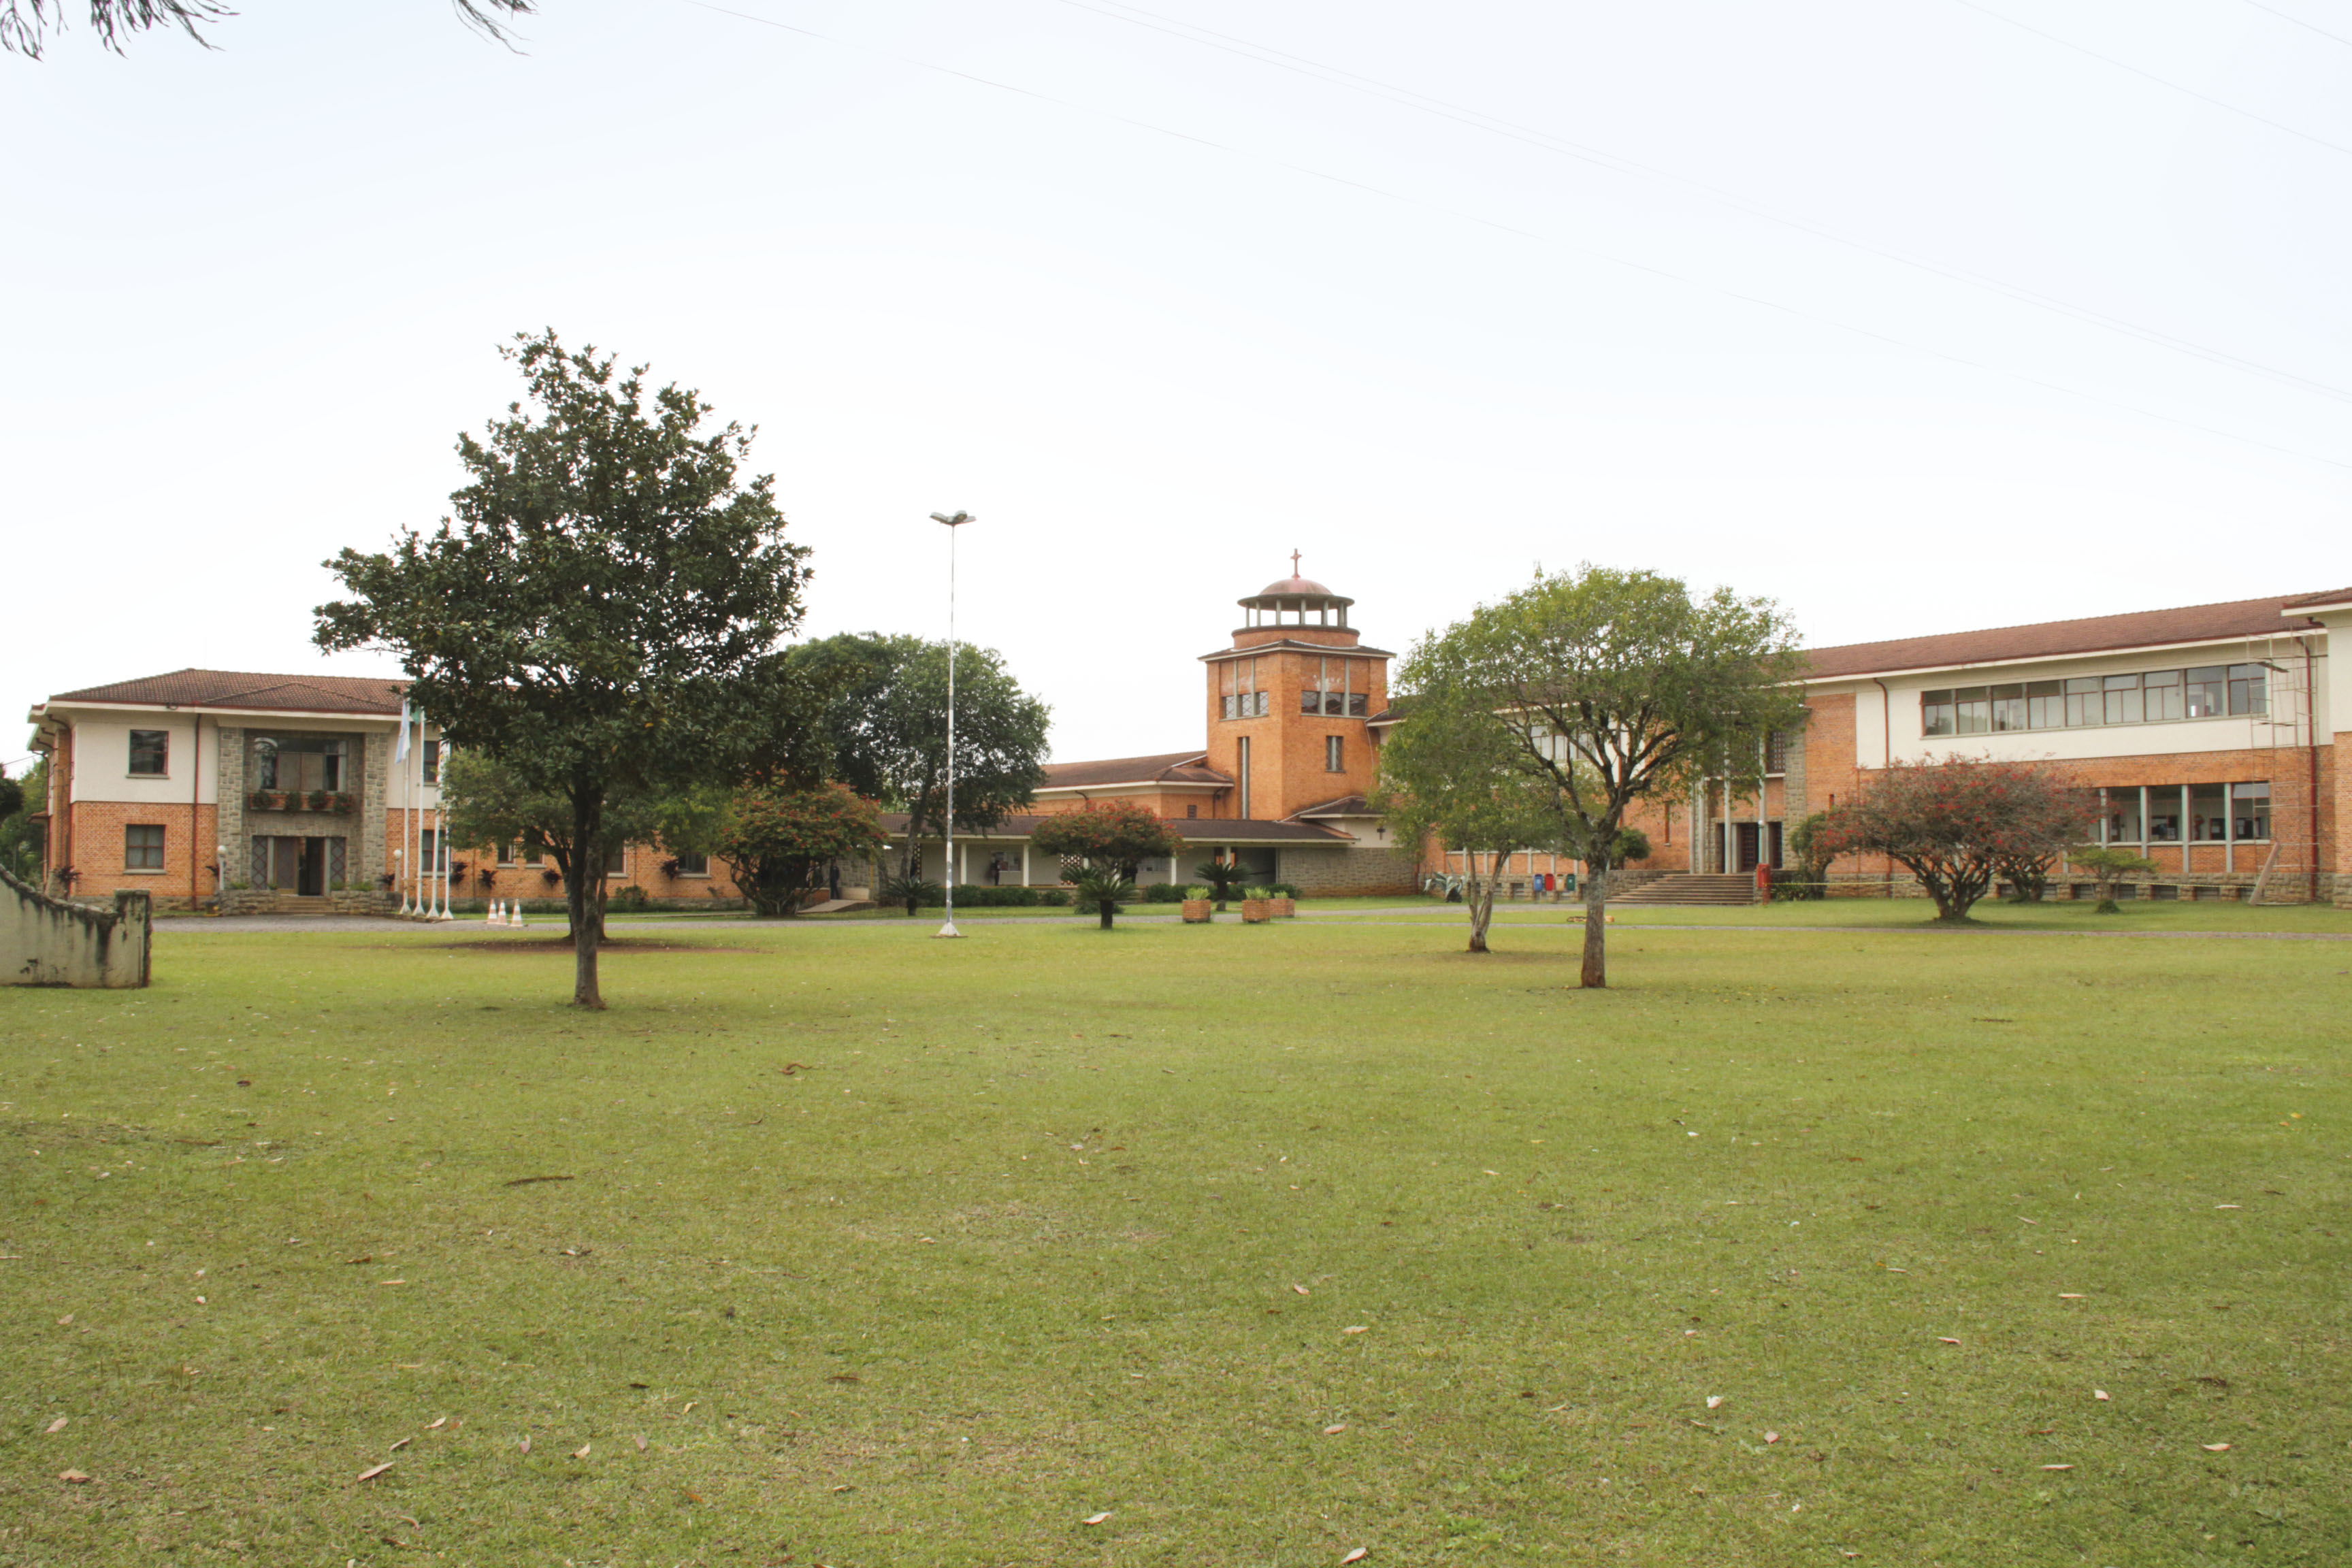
[1293, 563]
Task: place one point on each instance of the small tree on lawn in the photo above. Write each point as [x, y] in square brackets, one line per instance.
[2107, 865]
[1112, 839]
[2047, 820]
[1222, 877]
[1613, 685]
[1810, 843]
[1951, 823]
[773, 838]
[605, 612]
[1451, 771]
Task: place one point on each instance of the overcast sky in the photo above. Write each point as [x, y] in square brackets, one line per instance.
[1906, 315]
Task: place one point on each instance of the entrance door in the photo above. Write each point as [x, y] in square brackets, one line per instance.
[1745, 838]
[310, 870]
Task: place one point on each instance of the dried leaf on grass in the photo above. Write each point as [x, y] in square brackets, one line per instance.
[73, 1477]
[582, 1451]
[524, 1444]
[2100, 1395]
[1714, 1400]
[1356, 1329]
[1945, 1340]
[2057, 1467]
[1358, 1555]
[1301, 1289]
[1771, 1437]
[640, 1445]
[2215, 1447]
[56, 1425]
[403, 1443]
[1095, 1518]
[1334, 1429]
[375, 1471]
[436, 1426]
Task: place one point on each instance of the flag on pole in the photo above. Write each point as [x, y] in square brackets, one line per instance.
[400, 748]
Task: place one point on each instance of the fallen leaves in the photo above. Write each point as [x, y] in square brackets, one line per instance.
[1945, 1340]
[1357, 1329]
[1095, 1518]
[2069, 1295]
[56, 1425]
[582, 1451]
[1358, 1555]
[524, 1444]
[1334, 1429]
[375, 1471]
[2057, 1467]
[1771, 1437]
[2215, 1447]
[1302, 1290]
[437, 1425]
[2100, 1395]
[403, 1443]
[2229, 1205]
[1714, 1401]
[73, 1477]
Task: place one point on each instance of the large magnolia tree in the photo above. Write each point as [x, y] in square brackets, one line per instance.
[774, 839]
[606, 611]
[1604, 688]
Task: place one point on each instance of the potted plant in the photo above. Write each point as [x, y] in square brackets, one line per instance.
[1223, 877]
[342, 802]
[318, 800]
[259, 800]
[1198, 908]
[1257, 906]
[1286, 900]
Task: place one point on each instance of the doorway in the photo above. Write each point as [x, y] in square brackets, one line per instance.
[299, 866]
[1748, 842]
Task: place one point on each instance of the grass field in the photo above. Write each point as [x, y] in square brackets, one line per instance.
[1801, 1246]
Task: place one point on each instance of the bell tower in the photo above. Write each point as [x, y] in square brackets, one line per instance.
[1288, 701]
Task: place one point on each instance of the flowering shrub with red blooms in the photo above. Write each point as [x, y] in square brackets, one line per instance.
[1958, 823]
[1108, 836]
[774, 839]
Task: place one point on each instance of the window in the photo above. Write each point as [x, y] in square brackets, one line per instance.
[2082, 704]
[2208, 692]
[1973, 709]
[1936, 717]
[1243, 769]
[143, 848]
[2166, 693]
[616, 860]
[150, 752]
[432, 762]
[1776, 755]
[427, 846]
[2008, 708]
[2209, 819]
[2249, 693]
[2045, 704]
[691, 864]
[2122, 696]
[2249, 804]
[298, 762]
[1334, 754]
[507, 852]
[1193, 811]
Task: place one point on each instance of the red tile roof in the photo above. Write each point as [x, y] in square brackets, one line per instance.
[2333, 596]
[1166, 768]
[2048, 639]
[353, 694]
[1200, 830]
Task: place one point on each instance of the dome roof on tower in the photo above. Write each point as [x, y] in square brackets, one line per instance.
[1291, 587]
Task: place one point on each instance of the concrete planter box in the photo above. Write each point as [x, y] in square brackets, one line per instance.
[1256, 911]
[1197, 912]
[1284, 909]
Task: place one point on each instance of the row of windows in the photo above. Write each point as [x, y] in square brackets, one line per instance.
[279, 762]
[2150, 697]
[2202, 813]
[1248, 704]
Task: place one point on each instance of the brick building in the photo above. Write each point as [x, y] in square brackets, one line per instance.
[252, 793]
[2206, 733]
[1279, 783]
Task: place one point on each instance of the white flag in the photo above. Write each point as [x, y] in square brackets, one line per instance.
[400, 748]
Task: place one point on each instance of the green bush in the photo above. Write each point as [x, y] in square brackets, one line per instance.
[629, 899]
[1788, 890]
[981, 897]
[1162, 893]
[1283, 890]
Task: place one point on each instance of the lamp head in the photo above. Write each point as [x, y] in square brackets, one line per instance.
[958, 521]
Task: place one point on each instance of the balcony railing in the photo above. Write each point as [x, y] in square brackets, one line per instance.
[335, 801]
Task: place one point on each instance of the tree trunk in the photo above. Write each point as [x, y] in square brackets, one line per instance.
[1596, 925]
[1108, 909]
[586, 907]
[1481, 899]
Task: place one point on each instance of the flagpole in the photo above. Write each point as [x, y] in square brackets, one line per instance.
[949, 870]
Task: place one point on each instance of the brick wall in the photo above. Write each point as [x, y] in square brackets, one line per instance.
[1287, 747]
[96, 834]
[1342, 872]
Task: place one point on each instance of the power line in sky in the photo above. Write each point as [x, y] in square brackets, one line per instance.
[2299, 22]
[1648, 268]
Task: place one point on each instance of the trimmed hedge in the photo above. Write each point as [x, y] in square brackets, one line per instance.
[985, 897]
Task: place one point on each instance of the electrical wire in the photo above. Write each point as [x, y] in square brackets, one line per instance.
[1548, 142]
[1643, 267]
[2299, 22]
[2160, 81]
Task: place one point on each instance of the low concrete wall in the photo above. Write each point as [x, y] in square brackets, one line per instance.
[49, 942]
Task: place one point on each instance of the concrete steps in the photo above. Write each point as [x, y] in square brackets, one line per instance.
[1690, 890]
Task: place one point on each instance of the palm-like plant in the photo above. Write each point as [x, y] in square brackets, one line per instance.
[911, 891]
[1223, 877]
[1104, 891]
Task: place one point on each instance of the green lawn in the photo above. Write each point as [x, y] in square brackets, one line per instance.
[1269, 1243]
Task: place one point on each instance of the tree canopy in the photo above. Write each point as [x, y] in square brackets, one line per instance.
[1113, 839]
[884, 729]
[774, 838]
[604, 613]
[25, 23]
[1954, 824]
[1607, 686]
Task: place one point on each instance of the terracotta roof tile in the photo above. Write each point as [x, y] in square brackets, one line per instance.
[2333, 596]
[1166, 768]
[234, 689]
[1198, 830]
[2048, 639]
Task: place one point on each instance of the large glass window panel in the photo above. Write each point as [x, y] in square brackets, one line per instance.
[1360, 704]
[2045, 704]
[2209, 691]
[143, 848]
[2163, 693]
[1972, 710]
[2123, 699]
[1311, 700]
[2083, 703]
[2250, 809]
[2164, 814]
[2008, 708]
[150, 753]
[2122, 816]
[298, 762]
[1936, 713]
[2209, 813]
[2249, 689]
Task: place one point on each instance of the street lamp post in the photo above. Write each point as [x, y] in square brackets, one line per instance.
[947, 872]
